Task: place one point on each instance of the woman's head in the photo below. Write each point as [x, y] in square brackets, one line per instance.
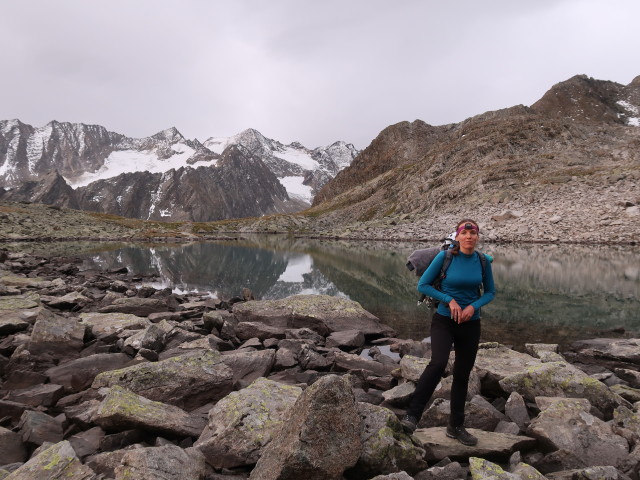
[467, 235]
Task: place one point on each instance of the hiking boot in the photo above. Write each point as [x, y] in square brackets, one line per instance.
[409, 423]
[461, 434]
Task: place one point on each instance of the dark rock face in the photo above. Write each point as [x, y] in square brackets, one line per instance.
[69, 148]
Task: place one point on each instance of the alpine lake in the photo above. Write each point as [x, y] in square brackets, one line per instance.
[556, 293]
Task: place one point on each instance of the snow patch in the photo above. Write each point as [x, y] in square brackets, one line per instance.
[295, 188]
[633, 121]
[129, 161]
[298, 157]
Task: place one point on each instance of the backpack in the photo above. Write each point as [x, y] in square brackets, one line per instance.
[420, 260]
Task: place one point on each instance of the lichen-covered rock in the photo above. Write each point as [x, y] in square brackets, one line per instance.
[187, 381]
[412, 367]
[166, 463]
[559, 379]
[121, 409]
[319, 439]
[56, 462]
[482, 469]
[105, 326]
[243, 423]
[566, 425]
[385, 446]
[495, 361]
[321, 313]
[527, 472]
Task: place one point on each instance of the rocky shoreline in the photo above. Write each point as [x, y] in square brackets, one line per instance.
[518, 221]
[105, 377]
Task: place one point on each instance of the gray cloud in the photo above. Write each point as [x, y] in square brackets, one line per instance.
[299, 69]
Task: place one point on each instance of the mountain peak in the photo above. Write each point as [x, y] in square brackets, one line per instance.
[172, 135]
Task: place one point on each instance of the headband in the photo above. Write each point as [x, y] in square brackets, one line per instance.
[467, 226]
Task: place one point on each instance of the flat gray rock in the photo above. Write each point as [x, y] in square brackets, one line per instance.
[122, 410]
[167, 463]
[187, 381]
[321, 313]
[499, 445]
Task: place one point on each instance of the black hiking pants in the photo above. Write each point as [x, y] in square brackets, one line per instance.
[465, 338]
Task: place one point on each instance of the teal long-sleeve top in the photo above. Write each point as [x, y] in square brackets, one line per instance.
[463, 277]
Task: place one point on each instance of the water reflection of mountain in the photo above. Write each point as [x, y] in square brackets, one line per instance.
[545, 293]
[218, 268]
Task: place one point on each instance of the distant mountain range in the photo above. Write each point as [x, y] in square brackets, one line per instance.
[164, 176]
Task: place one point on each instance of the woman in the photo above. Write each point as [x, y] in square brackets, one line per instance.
[456, 322]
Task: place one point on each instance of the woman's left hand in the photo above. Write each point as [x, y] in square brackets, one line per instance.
[466, 314]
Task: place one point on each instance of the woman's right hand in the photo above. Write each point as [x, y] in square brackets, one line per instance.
[456, 311]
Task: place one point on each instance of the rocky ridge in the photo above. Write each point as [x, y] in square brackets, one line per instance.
[539, 173]
[103, 376]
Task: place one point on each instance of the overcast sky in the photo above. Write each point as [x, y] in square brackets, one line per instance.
[313, 71]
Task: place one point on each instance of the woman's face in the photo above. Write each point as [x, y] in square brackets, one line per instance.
[468, 239]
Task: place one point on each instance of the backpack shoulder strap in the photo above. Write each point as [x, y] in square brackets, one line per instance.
[448, 256]
[483, 262]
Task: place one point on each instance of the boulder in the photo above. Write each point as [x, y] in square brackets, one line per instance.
[345, 339]
[591, 473]
[495, 361]
[121, 409]
[39, 395]
[482, 469]
[167, 463]
[12, 449]
[57, 337]
[490, 444]
[566, 425]
[247, 366]
[56, 462]
[12, 321]
[243, 423]
[187, 381]
[37, 428]
[385, 446]
[87, 442]
[142, 307]
[262, 331]
[412, 367]
[479, 414]
[559, 379]
[77, 375]
[399, 395]
[20, 302]
[610, 352]
[516, 410]
[105, 463]
[322, 313]
[319, 439]
[346, 361]
[105, 326]
[152, 338]
[70, 301]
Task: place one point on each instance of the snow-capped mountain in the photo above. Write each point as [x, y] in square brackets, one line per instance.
[302, 171]
[103, 168]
